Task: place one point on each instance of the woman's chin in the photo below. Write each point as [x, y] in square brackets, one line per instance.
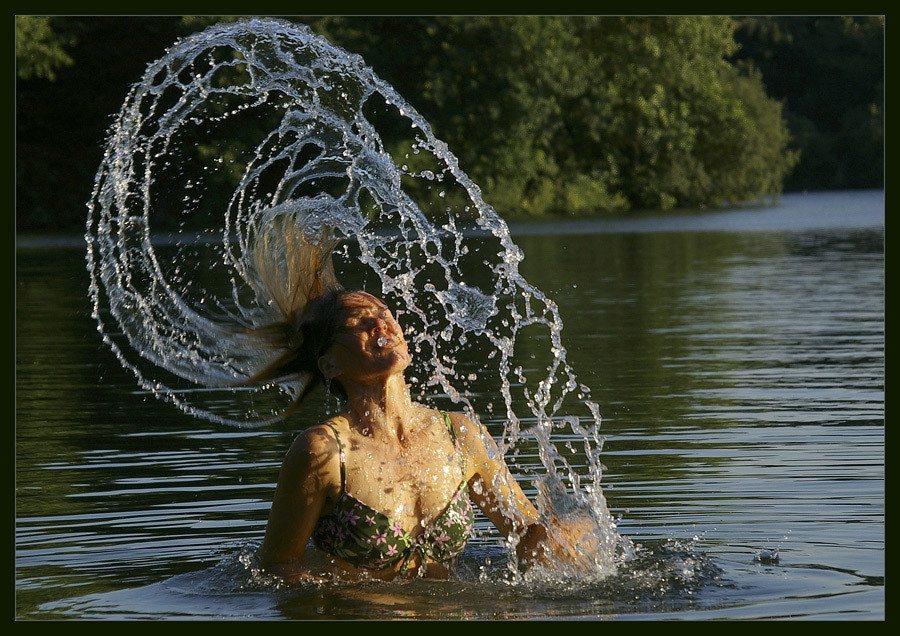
[390, 362]
[400, 359]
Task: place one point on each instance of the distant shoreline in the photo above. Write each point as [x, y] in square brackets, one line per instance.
[795, 211]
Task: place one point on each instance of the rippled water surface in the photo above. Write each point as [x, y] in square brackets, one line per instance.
[738, 360]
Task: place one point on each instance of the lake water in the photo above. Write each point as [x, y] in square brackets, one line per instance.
[738, 360]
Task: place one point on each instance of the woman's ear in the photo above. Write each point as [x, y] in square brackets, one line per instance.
[329, 367]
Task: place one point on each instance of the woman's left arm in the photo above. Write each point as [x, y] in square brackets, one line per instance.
[494, 489]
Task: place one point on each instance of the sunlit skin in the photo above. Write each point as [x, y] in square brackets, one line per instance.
[399, 457]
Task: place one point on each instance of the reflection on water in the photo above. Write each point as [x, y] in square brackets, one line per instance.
[741, 381]
[665, 579]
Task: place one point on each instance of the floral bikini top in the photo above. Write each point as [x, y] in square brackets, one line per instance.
[366, 538]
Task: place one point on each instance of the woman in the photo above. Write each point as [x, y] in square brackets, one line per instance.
[384, 489]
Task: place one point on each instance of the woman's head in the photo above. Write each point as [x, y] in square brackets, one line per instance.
[367, 343]
[341, 335]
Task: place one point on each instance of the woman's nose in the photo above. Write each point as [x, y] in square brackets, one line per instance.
[385, 324]
[382, 325]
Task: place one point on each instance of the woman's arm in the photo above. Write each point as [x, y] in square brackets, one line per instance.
[498, 494]
[310, 475]
[493, 489]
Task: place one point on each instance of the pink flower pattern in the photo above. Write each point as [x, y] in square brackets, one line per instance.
[366, 538]
[379, 541]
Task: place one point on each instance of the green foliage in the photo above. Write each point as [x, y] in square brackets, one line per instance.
[572, 115]
[40, 49]
[548, 114]
[829, 71]
[666, 118]
[61, 124]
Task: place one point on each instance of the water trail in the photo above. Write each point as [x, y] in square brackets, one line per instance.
[260, 120]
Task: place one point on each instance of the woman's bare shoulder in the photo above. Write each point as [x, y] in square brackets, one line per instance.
[470, 432]
[315, 447]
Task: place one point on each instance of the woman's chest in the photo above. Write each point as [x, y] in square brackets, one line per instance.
[413, 488]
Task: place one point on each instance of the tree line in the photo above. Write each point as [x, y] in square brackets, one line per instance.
[550, 115]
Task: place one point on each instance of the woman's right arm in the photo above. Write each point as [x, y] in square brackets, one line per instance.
[310, 476]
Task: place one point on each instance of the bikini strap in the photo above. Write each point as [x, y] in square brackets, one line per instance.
[449, 425]
[337, 438]
[452, 432]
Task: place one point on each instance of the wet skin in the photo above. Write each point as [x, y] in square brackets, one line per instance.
[398, 455]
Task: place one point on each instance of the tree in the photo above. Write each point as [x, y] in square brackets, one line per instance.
[669, 118]
[549, 114]
[580, 114]
[61, 121]
[40, 48]
[829, 71]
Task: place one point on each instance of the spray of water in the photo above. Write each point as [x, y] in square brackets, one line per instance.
[261, 121]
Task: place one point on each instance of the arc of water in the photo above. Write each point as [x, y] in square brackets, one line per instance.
[317, 92]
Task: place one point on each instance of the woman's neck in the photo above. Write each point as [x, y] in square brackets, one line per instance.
[383, 406]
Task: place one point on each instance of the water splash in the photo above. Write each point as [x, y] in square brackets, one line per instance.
[290, 127]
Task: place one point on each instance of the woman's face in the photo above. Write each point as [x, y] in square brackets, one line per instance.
[368, 341]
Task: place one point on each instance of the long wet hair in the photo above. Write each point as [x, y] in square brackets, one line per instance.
[291, 270]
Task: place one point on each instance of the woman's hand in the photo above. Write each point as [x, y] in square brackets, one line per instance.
[572, 540]
[533, 548]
